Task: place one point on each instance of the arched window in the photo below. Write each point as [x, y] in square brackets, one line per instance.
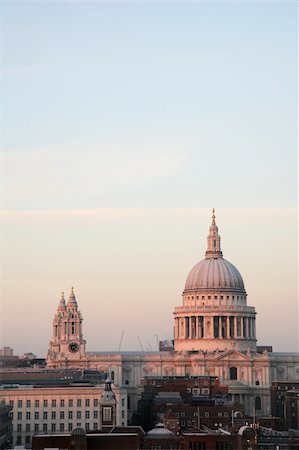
[233, 373]
[258, 403]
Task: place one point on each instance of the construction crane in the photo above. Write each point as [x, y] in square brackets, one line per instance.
[121, 340]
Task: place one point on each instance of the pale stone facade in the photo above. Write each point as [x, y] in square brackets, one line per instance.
[61, 409]
[214, 334]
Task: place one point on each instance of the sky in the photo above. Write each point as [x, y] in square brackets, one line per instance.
[122, 125]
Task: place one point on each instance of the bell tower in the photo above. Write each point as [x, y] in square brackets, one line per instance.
[67, 341]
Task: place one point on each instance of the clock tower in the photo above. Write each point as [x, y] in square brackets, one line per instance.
[67, 341]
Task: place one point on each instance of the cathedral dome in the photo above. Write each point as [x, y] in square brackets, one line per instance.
[214, 273]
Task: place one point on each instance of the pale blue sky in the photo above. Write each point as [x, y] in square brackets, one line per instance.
[166, 105]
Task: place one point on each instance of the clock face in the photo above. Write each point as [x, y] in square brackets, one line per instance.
[73, 347]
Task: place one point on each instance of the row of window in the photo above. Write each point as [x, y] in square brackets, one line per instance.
[62, 427]
[206, 414]
[53, 415]
[54, 403]
[215, 297]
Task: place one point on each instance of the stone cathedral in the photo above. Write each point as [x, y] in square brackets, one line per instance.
[214, 335]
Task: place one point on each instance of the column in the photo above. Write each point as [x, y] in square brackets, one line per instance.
[250, 327]
[235, 326]
[220, 327]
[193, 327]
[242, 327]
[187, 328]
[227, 327]
[196, 327]
[254, 328]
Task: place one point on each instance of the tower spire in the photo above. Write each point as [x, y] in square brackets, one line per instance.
[62, 305]
[72, 299]
[213, 249]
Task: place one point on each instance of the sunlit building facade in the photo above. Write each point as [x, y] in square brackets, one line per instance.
[214, 335]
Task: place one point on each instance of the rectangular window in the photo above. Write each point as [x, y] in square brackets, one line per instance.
[27, 439]
[11, 403]
[20, 403]
[95, 402]
[122, 402]
[79, 402]
[28, 403]
[95, 426]
[61, 414]
[19, 428]
[19, 415]
[36, 403]
[87, 402]
[122, 414]
[27, 426]
[86, 414]
[53, 427]
[78, 424]
[53, 403]
[70, 426]
[78, 414]
[95, 414]
[62, 403]
[45, 415]
[53, 415]
[70, 414]
[36, 415]
[87, 426]
[19, 440]
[45, 403]
[45, 427]
[61, 427]
[71, 403]
[28, 415]
[36, 427]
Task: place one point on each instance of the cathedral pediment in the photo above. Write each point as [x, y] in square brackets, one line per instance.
[232, 355]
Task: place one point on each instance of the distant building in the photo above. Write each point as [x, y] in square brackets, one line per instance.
[6, 351]
[214, 335]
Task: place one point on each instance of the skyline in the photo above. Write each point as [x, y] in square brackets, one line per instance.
[122, 126]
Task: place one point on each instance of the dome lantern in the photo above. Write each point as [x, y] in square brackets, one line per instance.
[214, 249]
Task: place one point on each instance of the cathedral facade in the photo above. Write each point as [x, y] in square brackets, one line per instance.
[214, 335]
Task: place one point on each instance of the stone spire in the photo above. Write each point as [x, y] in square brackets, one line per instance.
[62, 305]
[72, 299]
[213, 250]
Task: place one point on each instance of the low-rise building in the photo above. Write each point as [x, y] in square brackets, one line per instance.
[52, 409]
